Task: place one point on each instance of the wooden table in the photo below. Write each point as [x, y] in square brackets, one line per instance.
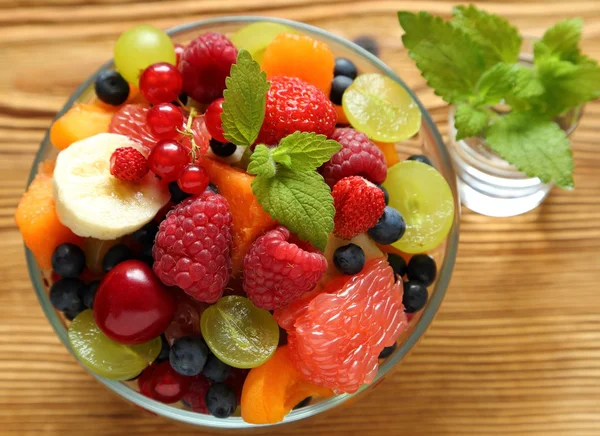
[515, 348]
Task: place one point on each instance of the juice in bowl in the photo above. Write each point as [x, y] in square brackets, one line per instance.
[243, 222]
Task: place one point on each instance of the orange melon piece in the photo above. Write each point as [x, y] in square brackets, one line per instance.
[79, 122]
[389, 152]
[134, 97]
[37, 219]
[390, 249]
[271, 390]
[249, 218]
[341, 116]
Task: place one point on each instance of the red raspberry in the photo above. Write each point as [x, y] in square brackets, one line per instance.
[193, 246]
[277, 271]
[127, 163]
[358, 157]
[358, 206]
[194, 398]
[130, 121]
[294, 105]
[204, 65]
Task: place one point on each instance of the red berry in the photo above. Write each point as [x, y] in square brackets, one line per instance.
[212, 117]
[193, 180]
[168, 159]
[178, 52]
[127, 163]
[164, 120]
[130, 121]
[161, 83]
[295, 105]
[277, 271]
[358, 206]
[205, 64]
[194, 398]
[161, 382]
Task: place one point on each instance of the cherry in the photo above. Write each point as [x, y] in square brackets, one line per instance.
[193, 180]
[161, 383]
[161, 83]
[186, 321]
[131, 305]
[168, 159]
[164, 120]
[179, 48]
[214, 125]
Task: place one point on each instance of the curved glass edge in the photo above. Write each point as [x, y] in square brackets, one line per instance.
[297, 415]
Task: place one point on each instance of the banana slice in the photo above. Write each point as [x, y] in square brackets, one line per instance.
[93, 203]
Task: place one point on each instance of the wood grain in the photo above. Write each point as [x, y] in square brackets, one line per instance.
[515, 349]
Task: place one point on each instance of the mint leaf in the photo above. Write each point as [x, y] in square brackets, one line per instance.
[261, 162]
[300, 200]
[527, 83]
[448, 59]
[302, 151]
[469, 120]
[500, 40]
[561, 40]
[536, 146]
[495, 83]
[245, 100]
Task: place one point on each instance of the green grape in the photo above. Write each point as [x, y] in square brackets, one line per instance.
[139, 47]
[422, 195]
[239, 333]
[105, 357]
[381, 108]
[256, 37]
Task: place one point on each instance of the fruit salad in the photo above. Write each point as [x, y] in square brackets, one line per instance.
[228, 226]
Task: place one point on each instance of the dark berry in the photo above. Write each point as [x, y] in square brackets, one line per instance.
[65, 295]
[283, 337]
[415, 296]
[71, 314]
[386, 195]
[389, 228]
[222, 149]
[398, 264]
[368, 43]
[115, 255]
[146, 234]
[177, 195]
[420, 158]
[188, 355]
[165, 350]
[212, 188]
[68, 260]
[387, 351]
[349, 259]
[215, 369]
[345, 67]
[422, 267]
[89, 293]
[303, 403]
[221, 400]
[146, 255]
[111, 88]
[339, 85]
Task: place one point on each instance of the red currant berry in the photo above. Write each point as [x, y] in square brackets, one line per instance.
[163, 384]
[161, 83]
[164, 119]
[212, 118]
[193, 180]
[168, 159]
[178, 51]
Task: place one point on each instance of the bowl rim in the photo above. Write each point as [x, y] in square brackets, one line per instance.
[423, 323]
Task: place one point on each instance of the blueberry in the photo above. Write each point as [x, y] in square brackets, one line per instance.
[115, 255]
[111, 88]
[387, 351]
[146, 234]
[368, 43]
[349, 259]
[215, 369]
[146, 255]
[222, 149]
[386, 195]
[89, 293]
[415, 296]
[65, 295]
[177, 195]
[165, 350]
[422, 267]
[220, 400]
[389, 228]
[420, 158]
[303, 403]
[212, 188]
[398, 264]
[188, 355]
[345, 67]
[339, 85]
[68, 260]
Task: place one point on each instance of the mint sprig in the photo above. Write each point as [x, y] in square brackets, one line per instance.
[290, 190]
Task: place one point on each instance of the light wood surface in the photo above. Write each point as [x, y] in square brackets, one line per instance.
[515, 349]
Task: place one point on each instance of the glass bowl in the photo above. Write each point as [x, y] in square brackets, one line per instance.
[427, 141]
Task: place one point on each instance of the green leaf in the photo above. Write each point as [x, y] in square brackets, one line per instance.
[500, 40]
[536, 146]
[301, 201]
[261, 162]
[469, 120]
[527, 83]
[495, 83]
[245, 100]
[561, 40]
[447, 57]
[303, 151]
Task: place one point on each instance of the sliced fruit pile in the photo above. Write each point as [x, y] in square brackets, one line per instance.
[265, 251]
